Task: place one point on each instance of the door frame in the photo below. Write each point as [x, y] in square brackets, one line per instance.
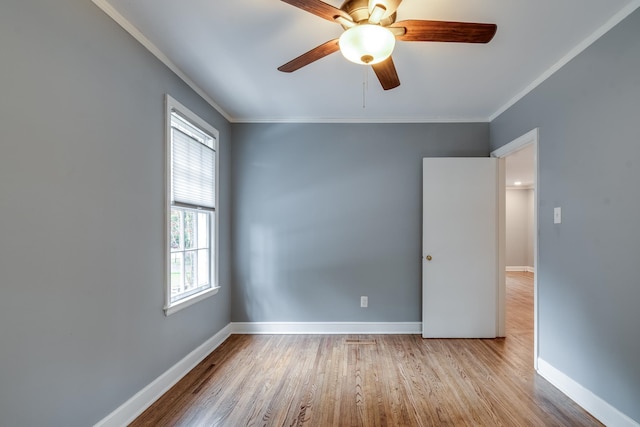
[531, 137]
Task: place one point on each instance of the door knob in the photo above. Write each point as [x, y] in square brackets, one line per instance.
[428, 257]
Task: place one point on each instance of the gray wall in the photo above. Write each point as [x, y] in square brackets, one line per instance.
[81, 202]
[322, 215]
[325, 213]
[519, 227]
[589, 158]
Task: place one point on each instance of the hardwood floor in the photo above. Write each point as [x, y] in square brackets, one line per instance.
[372, 380]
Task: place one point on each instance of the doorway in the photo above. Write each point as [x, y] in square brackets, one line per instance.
[521, 149]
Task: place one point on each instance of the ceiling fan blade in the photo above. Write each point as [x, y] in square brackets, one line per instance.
[313, 55]
[319, 8]
[386, 73]
[444, 31]
[390, 5]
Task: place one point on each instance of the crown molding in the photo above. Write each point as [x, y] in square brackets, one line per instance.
[365, 120]
[142, 39]
[107, 8]
[615, 20]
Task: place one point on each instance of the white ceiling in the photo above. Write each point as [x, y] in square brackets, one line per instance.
[229, 52]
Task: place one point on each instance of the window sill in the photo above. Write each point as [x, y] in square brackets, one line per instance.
[184, 303]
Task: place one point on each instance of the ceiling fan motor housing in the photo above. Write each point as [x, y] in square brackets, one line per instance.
[359, 11]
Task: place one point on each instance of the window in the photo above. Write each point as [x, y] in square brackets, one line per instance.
[192, 147]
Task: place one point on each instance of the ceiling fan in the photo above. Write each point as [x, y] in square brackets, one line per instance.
[371, 31]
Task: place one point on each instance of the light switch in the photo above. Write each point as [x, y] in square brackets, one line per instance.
[557, 215]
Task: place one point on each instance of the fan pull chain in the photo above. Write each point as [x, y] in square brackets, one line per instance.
[365, 86]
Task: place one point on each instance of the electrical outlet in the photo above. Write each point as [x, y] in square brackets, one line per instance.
[364, 302]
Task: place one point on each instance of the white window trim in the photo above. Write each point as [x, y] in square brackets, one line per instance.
[173, 307]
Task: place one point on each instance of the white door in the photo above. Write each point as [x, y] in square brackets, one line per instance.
[460, 247]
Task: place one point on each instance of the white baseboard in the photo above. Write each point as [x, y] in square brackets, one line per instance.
[520, 268]
[326, 327]
[602, 410]
[129, 410]
[133, 407]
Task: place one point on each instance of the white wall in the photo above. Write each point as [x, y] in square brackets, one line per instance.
[519, 227]
[531, 227]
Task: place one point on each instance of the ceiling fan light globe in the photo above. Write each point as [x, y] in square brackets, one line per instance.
[367, 44]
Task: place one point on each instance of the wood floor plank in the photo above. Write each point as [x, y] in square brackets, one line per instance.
[372, 381]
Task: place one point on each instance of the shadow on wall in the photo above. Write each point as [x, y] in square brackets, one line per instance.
[326, 213]
[321, 242]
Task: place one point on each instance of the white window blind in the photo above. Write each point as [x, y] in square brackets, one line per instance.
[193, 166]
